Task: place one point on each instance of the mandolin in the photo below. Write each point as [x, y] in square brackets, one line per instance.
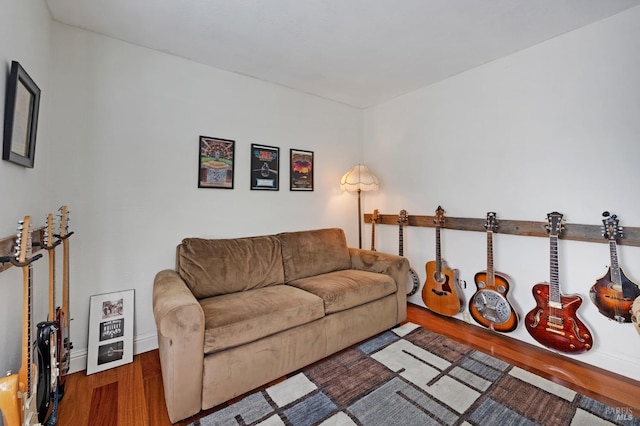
[441, 292]
[375, 216]
[413, 281]
[489, 305]
[614, 293]
[554, 322]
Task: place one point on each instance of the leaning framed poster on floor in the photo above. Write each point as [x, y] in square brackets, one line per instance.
[110, 330]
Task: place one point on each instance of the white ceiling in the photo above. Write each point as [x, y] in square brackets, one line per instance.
[358, 52]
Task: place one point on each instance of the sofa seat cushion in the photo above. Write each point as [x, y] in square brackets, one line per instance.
[238, 318]
[346, 289]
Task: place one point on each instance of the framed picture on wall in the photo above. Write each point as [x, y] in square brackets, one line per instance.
[265, 167]
[301, 173]
[20, 117]
[110, 331]
[216, 163]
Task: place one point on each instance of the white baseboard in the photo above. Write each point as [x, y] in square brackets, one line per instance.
[141, 344]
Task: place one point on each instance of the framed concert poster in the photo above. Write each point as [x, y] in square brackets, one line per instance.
[265, 167]
[110, 331]
[301, 173]
[215, 164]
[20, 117]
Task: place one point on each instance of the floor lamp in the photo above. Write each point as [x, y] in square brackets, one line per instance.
[359, 179]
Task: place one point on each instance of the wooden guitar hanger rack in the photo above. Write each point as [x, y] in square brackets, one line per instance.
[589, 233]
[7, 244]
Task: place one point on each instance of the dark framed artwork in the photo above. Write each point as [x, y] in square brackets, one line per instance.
[20, 117]
[301, 173]
[216, 161]
[265, 167]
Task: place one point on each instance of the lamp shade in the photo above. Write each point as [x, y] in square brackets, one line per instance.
[359, 178]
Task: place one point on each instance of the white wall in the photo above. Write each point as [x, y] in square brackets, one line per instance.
[126, 128]
[553, 127]
[123, 124]
[24, 33]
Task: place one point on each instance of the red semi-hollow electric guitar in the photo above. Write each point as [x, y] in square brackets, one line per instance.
[554, 322]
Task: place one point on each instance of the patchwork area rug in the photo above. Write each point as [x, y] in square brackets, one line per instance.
[412, 376]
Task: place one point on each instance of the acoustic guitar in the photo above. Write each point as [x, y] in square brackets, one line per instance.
[614, 293]
[554, 322]
[375, 216]
[18, 392]
[62, 313]
[489, 305]
[441, 292]
[413, 281]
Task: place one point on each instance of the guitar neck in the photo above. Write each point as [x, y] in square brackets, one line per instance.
[25, 370]
[616, 277]
[554, 284]
[400, 239]
[52, 285]
[373, 235]
[65, 280]
[490, 271]
[438, 257]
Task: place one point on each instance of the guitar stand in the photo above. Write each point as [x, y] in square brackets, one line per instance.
[62, 238]
[3, 261]
[27, 262]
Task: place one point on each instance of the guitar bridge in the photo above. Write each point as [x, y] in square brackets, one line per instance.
[555, 325]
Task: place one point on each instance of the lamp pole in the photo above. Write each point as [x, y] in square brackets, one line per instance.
[359, 221]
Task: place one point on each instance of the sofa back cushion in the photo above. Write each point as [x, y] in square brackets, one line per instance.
[309, 253]
[215, 267]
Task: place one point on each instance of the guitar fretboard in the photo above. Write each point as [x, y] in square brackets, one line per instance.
[438, 258]
[554, 285]
[490, 272]
[28, 340]
[615, 268]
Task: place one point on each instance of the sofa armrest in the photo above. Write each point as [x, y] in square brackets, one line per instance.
[397, 267]
[180, 324]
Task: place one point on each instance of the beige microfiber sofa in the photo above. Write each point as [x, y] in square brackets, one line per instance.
[239, 313]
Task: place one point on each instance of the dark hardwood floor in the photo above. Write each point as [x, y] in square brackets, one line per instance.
[132, 395]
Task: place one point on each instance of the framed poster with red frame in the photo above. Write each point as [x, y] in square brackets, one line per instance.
[301, 173]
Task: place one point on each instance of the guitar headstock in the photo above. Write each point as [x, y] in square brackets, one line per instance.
[375, 216]
[492, 222]
[22, 249]
[610, 227]
[555, 223]
[439, 218]
[403, 217]
[47, 237]
[64, 221]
